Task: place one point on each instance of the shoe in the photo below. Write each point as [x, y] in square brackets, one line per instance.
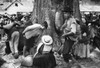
[2, 61]
[16, 55]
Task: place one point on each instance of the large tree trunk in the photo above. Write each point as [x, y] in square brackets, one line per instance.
[45, 10]
[74, 5]
[76, 10]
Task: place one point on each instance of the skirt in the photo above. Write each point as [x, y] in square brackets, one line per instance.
[82, 50]
[44, 60]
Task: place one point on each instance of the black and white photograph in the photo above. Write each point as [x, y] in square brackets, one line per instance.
[49, 33]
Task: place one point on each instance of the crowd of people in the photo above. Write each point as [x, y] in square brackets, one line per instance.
[23, 35]
[76, 39]
[14, 17]
[89, 30]
[7, 19]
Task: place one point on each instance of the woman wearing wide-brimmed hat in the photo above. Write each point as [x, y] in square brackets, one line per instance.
[44, 57]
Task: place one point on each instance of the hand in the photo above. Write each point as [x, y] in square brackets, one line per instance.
[43, 27]
[61, 29]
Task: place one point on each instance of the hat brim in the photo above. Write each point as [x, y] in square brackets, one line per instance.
[67, 11]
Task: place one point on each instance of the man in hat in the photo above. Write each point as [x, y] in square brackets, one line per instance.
[69, 31]
[33, 33]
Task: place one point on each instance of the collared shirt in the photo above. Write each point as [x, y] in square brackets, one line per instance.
[71, 25]
[32, 27]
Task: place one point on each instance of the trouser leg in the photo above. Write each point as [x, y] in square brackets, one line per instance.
[16, 41]
[11, 46]
[67, 48]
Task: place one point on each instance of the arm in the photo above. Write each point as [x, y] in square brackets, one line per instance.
[37, 50]
[8, 26]
[24, 51]
[68, 34]
[64, 25]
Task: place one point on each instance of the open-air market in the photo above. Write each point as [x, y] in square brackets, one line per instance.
[49, 33]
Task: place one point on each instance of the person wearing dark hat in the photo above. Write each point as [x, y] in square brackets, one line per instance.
[44, 57]
[33, 32]
[69, 31]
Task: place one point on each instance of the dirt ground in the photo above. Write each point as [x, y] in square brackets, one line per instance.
[93, 62]
[80, 63]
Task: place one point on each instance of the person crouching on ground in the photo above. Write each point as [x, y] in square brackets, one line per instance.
[33, 34]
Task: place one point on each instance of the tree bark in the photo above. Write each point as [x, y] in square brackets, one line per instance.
[76, 10]
[45, 10]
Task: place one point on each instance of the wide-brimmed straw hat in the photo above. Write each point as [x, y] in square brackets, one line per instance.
[47, 39]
